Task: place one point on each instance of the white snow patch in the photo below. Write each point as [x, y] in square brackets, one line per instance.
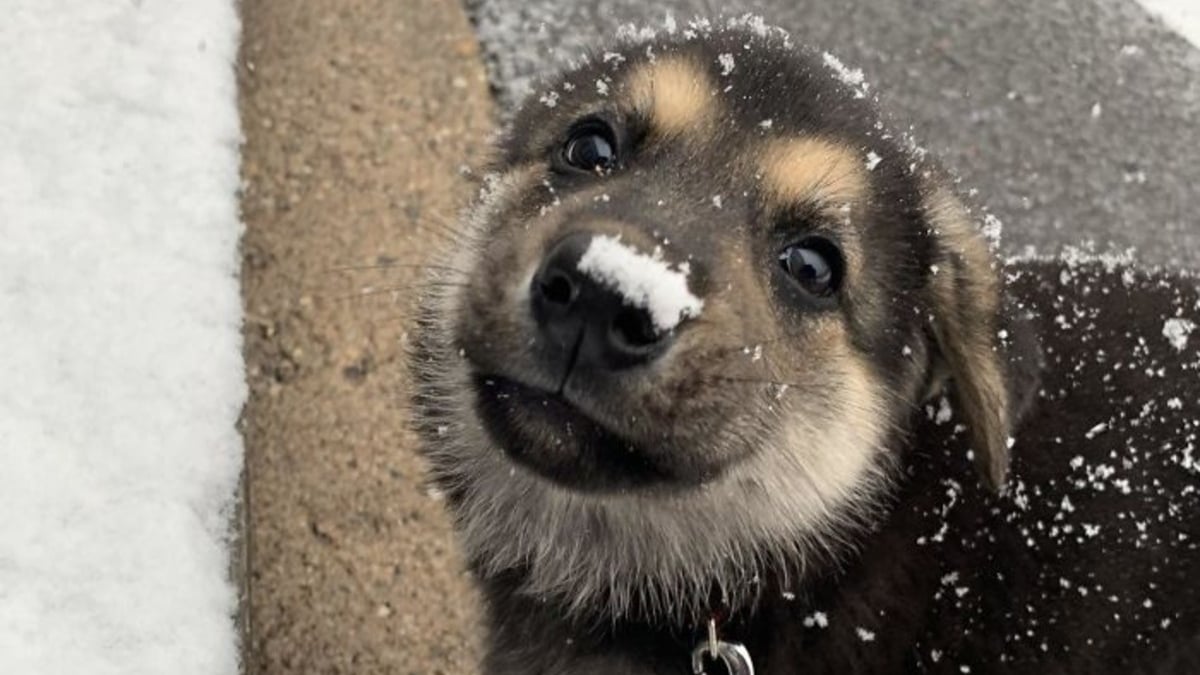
[864, 634]
[669, 23]
[943, 413]
[873, 160]
[992, 229]
[121, 375]
[727, 63]
[817, 620]
[1177, 330]
[645, 281]
[851, 77]
[1181, 16]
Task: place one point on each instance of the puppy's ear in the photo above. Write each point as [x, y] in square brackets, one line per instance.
[988, 354]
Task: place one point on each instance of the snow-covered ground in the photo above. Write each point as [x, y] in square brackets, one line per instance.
[1181, 16]
[120, 362]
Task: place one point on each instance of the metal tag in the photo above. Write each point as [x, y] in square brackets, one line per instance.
[734, 656]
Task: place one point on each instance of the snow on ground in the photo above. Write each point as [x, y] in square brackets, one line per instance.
[645, 281]
[120, 354]
[1181, 16]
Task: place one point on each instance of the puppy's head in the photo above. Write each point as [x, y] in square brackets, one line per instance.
[688, 322]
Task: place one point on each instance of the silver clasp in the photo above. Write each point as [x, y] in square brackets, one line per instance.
[735, 656]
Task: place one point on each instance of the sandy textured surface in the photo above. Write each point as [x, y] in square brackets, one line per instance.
[358, 115]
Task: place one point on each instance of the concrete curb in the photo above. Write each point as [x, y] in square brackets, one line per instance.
[357, 116]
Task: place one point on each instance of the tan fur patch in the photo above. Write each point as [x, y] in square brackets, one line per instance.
[675, 94]
[798, 170]
[967, 301]
[837, 466]
[961, 238]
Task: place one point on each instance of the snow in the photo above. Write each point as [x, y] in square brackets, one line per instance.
[120, 351]
[1177, 330]
[1181, 16]
[645, 281]
[816, 619]
[944, 412]
[727, 63]
[851, 77]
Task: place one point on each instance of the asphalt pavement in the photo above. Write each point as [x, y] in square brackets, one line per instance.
[1077, 120]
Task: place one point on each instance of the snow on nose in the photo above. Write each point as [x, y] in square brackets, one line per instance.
[645, 281]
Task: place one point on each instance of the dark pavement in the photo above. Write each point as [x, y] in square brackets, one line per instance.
[1076, 119]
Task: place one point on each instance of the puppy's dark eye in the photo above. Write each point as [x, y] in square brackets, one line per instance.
[591, 146]
[814, 264]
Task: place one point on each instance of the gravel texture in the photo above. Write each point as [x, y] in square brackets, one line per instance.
[357, 115]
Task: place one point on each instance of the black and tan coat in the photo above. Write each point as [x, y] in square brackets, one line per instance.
[875, 450]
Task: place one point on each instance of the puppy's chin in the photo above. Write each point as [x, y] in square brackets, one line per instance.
[656, 548]
[552, 436]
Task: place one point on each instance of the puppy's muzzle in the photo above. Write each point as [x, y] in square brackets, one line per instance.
[598, 328]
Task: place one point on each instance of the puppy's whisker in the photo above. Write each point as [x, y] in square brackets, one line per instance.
[390, 320]
[749, 346]
[418, 287]
[395, 265]
[447, 236]
[445, 229]
[450, 226]
[759, 381]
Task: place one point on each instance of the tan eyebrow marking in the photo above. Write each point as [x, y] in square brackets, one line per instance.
[675, 94]
[812, 169]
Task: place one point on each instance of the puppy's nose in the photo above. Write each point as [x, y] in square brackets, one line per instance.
[574, 310]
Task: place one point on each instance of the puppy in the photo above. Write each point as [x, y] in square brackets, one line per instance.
[721, 375]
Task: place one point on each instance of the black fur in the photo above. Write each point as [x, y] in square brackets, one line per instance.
[956, 577]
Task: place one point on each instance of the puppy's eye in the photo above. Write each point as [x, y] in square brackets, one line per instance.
[814, 264]
[591, 146]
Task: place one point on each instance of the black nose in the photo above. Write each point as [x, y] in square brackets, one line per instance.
[574, 310]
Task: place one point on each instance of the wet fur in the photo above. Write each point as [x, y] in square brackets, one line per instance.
[586, 582]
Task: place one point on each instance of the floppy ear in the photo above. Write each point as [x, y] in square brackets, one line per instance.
[987, 352]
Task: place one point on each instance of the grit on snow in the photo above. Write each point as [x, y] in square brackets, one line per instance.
[121, 376]
[645, 281]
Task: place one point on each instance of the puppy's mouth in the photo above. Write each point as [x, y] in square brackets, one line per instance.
[545, 432]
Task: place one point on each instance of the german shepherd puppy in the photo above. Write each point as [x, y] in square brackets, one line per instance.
[723, 375]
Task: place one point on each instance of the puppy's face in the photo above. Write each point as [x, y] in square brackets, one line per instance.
[684, 323]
